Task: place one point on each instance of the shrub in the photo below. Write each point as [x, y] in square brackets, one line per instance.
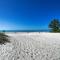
[3, 38]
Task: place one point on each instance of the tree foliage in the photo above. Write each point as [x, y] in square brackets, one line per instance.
[54, 25]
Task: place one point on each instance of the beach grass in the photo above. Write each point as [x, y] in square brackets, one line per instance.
[3, 38]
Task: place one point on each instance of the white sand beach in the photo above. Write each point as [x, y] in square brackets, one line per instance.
[31, 46]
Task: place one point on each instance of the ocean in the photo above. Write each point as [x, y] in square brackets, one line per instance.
[24, 30]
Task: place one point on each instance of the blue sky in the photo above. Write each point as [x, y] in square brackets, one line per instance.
[28, 14]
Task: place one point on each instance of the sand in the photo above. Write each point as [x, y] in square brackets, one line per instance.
[31, 46]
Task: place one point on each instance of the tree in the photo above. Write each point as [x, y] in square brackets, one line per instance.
[54, 25]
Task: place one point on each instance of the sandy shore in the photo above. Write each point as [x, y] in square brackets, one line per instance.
[31, 46]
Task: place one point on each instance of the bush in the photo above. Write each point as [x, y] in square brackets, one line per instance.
[3, 38]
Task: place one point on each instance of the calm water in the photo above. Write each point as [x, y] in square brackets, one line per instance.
[24, 30]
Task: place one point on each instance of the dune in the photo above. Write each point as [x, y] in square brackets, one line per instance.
[31, 46]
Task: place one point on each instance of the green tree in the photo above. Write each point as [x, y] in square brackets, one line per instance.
[54, 25]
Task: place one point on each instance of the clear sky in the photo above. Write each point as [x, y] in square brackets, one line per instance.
[28, 14]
